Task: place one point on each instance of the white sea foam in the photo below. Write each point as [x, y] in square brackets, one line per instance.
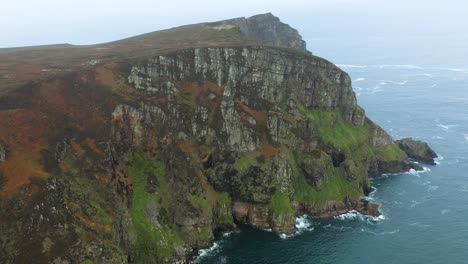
[466, 136]
[438, 159]
[427, 75]
[384, 66]
[303, 223]
[351, 66]
[411, 172]
[414, 203]
[381, 233]
[416, 173]
[393, 82]
[446, 127]
[418, 224]
[434, 85]
[404, 66]
[208, 251]
[227, 234]
[445, 211]
[453, 69]
[359, 80]
[355, 215]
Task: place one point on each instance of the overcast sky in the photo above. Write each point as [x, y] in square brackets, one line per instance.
[34, 22]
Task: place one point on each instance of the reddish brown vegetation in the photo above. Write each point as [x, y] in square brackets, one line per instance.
[24, 132]
[268, 151]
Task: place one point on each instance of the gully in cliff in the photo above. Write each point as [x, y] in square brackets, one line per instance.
[168, 144]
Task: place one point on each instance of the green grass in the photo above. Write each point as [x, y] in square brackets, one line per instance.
[389, 153]
[280, 204]
[335, 188]
[336, 132]
[247, 160]
[224, 214]
[152, 243]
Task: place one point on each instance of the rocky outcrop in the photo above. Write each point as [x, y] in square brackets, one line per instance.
[262, 217]
[2, 152]
[417, 150]
[268, 29]
[335, 208]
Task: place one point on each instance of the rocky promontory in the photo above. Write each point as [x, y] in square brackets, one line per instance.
[417, 150]
[142, 150]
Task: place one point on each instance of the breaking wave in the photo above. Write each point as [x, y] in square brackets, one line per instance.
[351, 66]
[446, 127]
[355, 215]
[208, 251]
[452, 69]
[401, 66]
[416, 173]
[303, 223]
[439, 159]
[381, 233]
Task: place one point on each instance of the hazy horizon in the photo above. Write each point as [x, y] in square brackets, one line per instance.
[433, 32]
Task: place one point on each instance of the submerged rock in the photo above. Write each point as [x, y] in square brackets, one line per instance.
[417, 150]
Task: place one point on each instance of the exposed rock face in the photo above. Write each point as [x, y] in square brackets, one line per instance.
[270, 124]
[268, 29]
[2, 152]
[151, 155]
[417, 150]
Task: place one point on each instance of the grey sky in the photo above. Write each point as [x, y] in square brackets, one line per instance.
[34, 22]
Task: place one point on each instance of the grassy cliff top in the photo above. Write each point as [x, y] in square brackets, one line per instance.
[22, 65]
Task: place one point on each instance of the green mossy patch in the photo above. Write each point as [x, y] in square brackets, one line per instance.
[223, 214]
[152, 242]
[280, 204]
[389, 153]
[334, 131]
[336, 188]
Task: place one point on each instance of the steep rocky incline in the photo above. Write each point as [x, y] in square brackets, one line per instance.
[143, 159]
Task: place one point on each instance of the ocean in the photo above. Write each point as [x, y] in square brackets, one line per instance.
[425, 214]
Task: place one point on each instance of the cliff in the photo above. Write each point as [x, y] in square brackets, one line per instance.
[144, 148]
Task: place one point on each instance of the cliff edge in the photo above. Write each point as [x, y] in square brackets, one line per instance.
[141, 150]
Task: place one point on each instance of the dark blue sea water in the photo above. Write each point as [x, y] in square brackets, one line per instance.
[425, 214]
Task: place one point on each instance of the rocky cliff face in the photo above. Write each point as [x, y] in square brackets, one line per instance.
[150, 156]
[267, 29]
